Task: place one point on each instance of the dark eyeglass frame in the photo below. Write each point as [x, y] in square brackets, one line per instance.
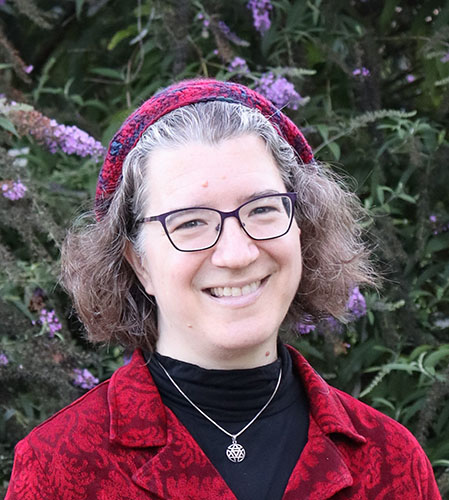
[223, 215]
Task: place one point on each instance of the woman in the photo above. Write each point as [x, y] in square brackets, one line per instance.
[214, 227]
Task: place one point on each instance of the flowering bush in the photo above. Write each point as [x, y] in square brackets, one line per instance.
[377, 77]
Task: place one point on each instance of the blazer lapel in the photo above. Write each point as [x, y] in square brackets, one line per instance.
[178, 468]
[321, 470]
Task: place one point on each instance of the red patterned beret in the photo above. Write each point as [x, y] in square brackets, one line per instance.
[176, 96]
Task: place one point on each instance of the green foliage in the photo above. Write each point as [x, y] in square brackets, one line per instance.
[94, 61]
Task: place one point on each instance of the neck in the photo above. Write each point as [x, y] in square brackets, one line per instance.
[220, 358]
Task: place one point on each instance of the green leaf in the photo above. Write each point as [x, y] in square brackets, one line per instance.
[380, 194]
[8, 125]
[442, 462]
[139, 37]
[435, 357]
[78, 7]
[96, 103]
[10, 412]
[108, 72]
[323, 130]
[384, 402]
[121, 35]
[438, 243]
[407, 197]
[442, 82]
[335, 149]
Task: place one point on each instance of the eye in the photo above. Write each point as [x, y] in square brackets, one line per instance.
[190, 224]
[263, 210]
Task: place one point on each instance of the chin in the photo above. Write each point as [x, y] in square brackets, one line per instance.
[238, 339]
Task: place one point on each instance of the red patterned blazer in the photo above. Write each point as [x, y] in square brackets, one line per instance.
[119, 442]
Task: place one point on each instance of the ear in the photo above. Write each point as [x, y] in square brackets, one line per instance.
[137, 263]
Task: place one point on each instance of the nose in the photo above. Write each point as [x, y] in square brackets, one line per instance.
[234, 249]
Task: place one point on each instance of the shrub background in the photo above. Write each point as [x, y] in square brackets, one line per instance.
[367, 82]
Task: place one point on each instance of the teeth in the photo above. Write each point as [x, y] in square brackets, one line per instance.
[235, 291]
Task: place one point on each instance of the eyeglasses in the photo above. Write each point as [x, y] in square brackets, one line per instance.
[197, 228]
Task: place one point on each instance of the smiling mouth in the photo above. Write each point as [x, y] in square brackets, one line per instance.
[235, 291]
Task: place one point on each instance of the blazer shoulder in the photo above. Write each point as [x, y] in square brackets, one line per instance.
[377, 427]
[70, 427]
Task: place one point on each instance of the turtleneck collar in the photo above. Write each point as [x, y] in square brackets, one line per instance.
[227, 395]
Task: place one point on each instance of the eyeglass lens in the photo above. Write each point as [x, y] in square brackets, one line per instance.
[199, 228]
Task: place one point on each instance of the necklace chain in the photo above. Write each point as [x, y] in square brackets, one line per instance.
[232, 436]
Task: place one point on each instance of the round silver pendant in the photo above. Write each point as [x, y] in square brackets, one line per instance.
[235, 452]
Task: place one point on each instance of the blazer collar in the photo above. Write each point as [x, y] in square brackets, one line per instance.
[321, 470]
[137, 415]
[326, 407]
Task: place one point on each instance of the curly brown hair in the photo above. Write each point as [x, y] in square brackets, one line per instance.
[104, 288]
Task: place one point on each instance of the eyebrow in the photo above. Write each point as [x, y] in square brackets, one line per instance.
[240, 199]
[256, 194]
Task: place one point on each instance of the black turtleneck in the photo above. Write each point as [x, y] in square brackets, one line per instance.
[273, 443]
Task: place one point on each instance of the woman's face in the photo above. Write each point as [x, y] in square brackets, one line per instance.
[194, 325]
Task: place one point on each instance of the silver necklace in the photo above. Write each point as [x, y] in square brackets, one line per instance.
[235, 451]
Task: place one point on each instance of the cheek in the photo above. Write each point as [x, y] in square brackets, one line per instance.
[173, 274]
[294, 243]
[293, 257]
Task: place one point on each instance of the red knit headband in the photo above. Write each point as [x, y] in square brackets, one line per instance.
[176, 96]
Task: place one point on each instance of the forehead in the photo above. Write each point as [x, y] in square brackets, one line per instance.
[212, 175]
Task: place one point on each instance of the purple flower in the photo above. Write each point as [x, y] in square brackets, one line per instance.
[304, 328]
[69, 139]
[410, 78]
[50, 322]
[127, 355]
[3, 359]
[261, 14]
[29, 69]
[433, 218]
[72, 140]
[279, 91]
[13, 190]
[238, 65]
[361, 71]
[356, 304]
[84, 379]
[445, 58]
[330, 324]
